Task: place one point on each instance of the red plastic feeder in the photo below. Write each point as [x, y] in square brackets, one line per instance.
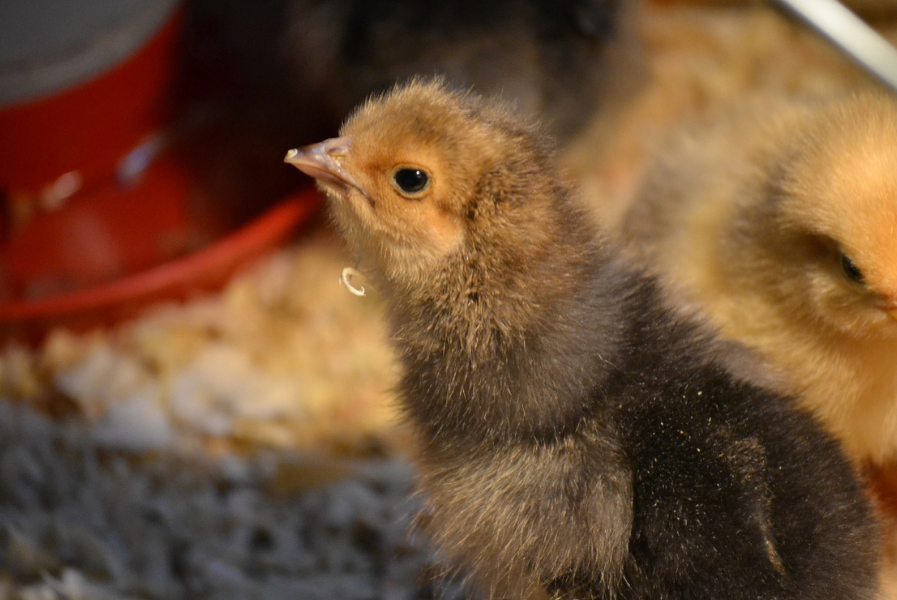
[205, 269]
[98, 213]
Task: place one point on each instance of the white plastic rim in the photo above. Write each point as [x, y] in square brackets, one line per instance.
[847, 31]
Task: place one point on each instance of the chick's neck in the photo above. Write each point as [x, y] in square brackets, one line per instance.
[512, 334]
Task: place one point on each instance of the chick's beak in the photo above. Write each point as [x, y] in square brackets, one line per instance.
[322, 161]
[890, 307]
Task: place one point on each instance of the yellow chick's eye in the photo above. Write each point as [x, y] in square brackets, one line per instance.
[410, 181]
[852, 272]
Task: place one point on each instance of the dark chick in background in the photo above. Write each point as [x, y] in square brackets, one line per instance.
[778, 221]
[576, 440]
[286, 72]
[559, 60]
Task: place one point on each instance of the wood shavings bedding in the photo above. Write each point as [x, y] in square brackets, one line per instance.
[284, 357]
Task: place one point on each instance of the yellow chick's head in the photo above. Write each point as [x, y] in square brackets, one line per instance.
[417, 170]
[838, 207]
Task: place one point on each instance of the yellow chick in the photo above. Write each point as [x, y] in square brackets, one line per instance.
[779, 223]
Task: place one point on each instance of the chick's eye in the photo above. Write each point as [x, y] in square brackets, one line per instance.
[852, 272]
[411, 181]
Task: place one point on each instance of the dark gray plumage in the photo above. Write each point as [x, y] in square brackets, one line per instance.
[558, 59]
[576, 439]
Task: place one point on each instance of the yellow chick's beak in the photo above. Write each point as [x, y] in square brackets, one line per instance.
[321, 161]
[890, 307]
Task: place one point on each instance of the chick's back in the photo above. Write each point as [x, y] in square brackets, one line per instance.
[732, 477]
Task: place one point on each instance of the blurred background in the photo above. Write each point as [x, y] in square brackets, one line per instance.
[190, 404]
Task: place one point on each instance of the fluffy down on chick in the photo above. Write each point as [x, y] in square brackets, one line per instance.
[576, 439]
[779, 222]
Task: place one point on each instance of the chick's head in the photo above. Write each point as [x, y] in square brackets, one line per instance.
[414, 170]
[837, 213]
